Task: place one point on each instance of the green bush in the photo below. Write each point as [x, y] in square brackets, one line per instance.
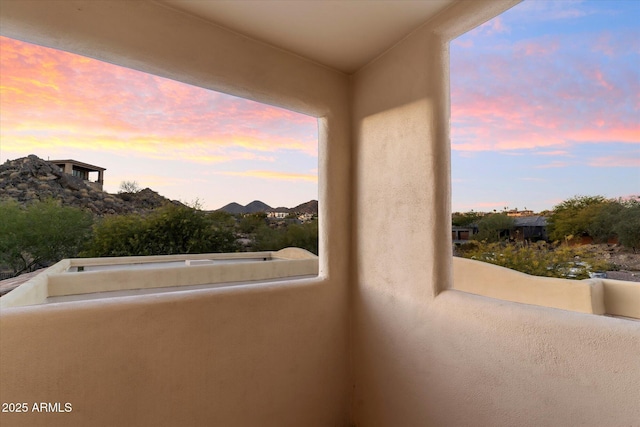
[537, 259]
[303, 236]
[40, 234]
[170, 229]
[494, 228]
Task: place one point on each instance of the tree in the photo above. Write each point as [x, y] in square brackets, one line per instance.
[129, 187]
[494, 228]
[250, 223]
[628, 227]
[303, 236]
[573, 216]
[41, 234]
[222, 219]
[464, 219]
[170, 229]
[602, 226]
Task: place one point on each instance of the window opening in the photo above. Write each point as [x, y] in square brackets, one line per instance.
[545, 137]
[157, 167]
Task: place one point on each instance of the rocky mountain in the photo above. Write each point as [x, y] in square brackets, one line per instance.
[233, 208]
[311, 207]
[31, 178]
[253, 207]
[258, 206]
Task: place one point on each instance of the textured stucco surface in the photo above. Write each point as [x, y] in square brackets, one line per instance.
[378, 339]
[257, 355]
[426, 356]
[481, 278]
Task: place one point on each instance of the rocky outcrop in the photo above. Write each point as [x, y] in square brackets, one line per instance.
[31, 178]
[310, 207]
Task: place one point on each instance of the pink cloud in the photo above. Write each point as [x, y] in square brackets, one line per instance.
[537, 48]
[554, 164]
[463, 43]
[494, 26]
[551, 99]
[492, 205]
[553, 10]
[603, 44]
[600, 134]
[555, 153]
[274, 175]
[616, 162]
[73, 100]
[601, 80]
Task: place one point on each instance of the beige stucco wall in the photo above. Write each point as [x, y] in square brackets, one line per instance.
[279, 355]
[267, 355]
[481, 278]
[622, 298]
[105, 281]
[427, 356]
[64, 279]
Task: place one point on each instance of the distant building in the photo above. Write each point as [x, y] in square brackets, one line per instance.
[517, 213]
[277, 215]
[82, 171]
[305, 217]
[462, 234]
[531, 228]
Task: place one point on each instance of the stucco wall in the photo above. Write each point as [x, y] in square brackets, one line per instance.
[256, 355]
[481, 278]
[278, 355]
[427, 356]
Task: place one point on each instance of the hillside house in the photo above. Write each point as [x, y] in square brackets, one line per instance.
[277, 214]
[388, 333]
[529, 228]
[83, 171]
[461, 234]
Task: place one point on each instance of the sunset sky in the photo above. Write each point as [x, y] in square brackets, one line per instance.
[545, 105]
[185, 142]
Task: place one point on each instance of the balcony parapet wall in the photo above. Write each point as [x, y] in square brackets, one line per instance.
[594, 296]
[93, 275]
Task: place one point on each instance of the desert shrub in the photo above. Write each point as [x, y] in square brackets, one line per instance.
[494, 228]
[303, 236]
[537, 259]
[171, 229]
[40, 234]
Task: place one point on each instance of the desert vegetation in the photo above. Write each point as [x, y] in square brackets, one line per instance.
[40, 233]
[613, 225]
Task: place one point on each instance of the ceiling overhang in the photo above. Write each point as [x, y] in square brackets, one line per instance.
[341, 34]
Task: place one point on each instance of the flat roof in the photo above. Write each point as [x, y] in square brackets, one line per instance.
[81, 164]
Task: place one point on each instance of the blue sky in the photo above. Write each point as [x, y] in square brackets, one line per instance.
[546, 105]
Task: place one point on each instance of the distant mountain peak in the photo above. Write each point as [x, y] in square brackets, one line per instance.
[259, 206]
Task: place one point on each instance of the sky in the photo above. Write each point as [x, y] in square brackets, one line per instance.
[545, 105]
[185, 142]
